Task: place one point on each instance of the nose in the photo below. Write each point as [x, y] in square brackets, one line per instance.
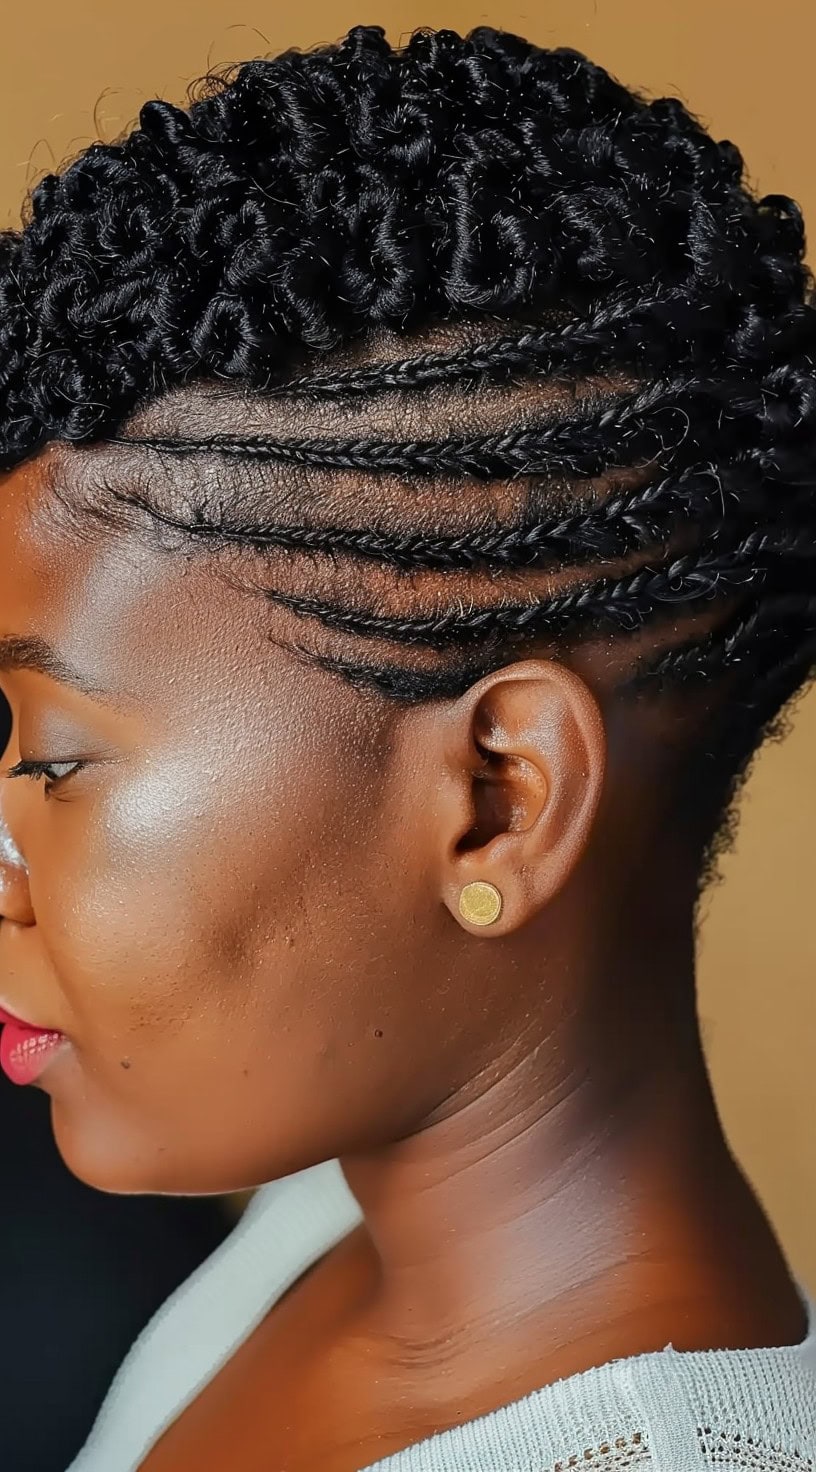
[15, 895]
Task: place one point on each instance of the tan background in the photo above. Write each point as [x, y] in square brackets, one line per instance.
[73, 71]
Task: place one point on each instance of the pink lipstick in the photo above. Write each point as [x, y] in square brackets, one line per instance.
[25, 1051]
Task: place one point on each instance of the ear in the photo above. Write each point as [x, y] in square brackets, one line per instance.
[526, 759]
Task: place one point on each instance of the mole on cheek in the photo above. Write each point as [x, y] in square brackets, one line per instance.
[125, 1063]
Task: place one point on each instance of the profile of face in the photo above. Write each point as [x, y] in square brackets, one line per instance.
[235, 891]
[509, 598]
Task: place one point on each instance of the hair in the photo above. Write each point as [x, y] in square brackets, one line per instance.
[592, 344]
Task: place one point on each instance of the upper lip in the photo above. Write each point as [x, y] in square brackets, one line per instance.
[8, 1016]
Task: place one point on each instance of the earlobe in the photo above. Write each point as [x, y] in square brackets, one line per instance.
[538, 749]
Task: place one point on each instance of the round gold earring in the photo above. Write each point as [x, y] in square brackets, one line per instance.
[480, 903]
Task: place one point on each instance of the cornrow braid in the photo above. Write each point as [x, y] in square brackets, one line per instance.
[669, 328]
[623, 427]
[612, 332]
[624, 602]
[626, 522]
[693, 660]
[726, 646]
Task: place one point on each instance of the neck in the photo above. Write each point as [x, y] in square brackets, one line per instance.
[556, 1217]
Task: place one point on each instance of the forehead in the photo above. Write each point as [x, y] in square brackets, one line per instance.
[118, 608]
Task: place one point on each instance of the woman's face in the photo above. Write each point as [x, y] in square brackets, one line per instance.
[226, 910]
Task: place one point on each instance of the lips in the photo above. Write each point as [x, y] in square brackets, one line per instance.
[26, 1051]
[6, 1016]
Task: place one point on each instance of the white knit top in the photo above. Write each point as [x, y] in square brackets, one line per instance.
[671, 1411]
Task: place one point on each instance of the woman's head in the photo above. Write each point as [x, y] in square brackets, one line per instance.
[413, 450]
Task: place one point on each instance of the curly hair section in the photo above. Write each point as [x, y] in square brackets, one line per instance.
[320, 192]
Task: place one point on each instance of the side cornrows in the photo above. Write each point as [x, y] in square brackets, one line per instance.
[626, 330]
[626, 522]
[616, 435]
[624, 430]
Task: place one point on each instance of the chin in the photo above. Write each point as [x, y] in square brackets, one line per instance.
[103, 1159]
[112, 1157]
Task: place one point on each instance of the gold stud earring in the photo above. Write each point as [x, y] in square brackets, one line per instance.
[480, 903]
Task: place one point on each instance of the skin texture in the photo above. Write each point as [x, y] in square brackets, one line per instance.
[243, 913]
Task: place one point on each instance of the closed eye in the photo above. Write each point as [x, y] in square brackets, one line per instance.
[53, 772]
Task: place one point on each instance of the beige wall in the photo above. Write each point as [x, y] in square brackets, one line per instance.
[71, 70]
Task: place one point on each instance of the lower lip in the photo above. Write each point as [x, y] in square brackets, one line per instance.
[26, 1051]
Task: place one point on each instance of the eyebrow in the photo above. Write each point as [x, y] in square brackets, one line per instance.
[30, 652]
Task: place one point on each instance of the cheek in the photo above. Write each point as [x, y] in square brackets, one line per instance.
[172, 890]
[213, 941]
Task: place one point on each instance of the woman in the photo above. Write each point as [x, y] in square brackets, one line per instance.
[409, 522]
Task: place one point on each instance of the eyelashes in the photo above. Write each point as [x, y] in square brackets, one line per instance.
[52, 772]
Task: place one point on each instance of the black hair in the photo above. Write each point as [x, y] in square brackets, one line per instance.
[619, 409]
